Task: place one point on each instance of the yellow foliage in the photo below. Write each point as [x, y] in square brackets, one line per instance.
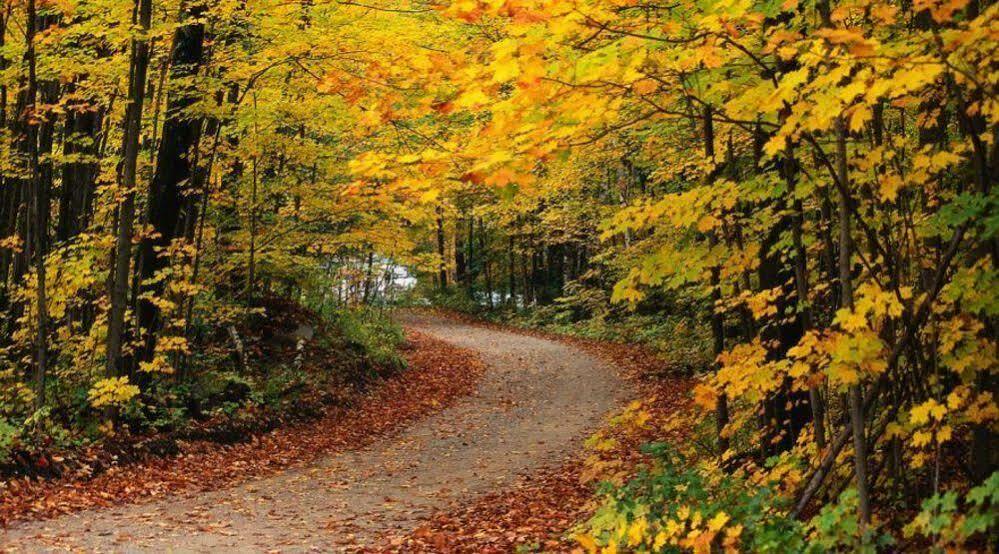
[112, 391]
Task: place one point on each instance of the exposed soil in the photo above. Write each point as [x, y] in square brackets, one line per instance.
[537, 400]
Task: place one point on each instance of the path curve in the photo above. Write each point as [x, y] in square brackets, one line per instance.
[536, 402]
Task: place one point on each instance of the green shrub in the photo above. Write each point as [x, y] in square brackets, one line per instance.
[837, 529]
[277, 388]
[9, 435]
[950, 523]
[377, 334]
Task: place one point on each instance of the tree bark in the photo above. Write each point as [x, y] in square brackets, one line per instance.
[175, 167]
[79, 178]
[717, 321]
[39, 202]
[442, 267]
[126, 210]
[511, 274]
[856, 395]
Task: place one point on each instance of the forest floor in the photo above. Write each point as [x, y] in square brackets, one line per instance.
[533, 405]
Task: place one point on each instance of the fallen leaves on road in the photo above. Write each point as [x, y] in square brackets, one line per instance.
[541, 508]
[438, 374]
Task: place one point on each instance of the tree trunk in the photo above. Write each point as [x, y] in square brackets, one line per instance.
[174, 169]
[442, 268]
[79, 178]
[511, 274]
[126, 210]
[484, 263]
[39, 201]
[717, 322]
[787, 413]
[367, 277]
[856, 395]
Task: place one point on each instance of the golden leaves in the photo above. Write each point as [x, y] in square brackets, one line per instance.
[923, 413]
[111, 391]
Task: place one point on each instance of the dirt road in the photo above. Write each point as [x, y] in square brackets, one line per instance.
[537, 401]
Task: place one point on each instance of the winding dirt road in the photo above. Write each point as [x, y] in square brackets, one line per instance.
[535, 404]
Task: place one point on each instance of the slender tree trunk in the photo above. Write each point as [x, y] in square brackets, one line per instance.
[484, 263]
[511, 274]
[126, 210]
[7, 191]
[460, 255]
[790, 171]
[79, 178]
[526, 291]
[442, 268]
[538, 293]
[39, 205]
[368, 276]
[856, 395]
[470, 265]
[252, 262]
[717, 323]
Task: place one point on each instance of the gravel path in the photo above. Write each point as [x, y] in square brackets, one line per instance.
[536, 402]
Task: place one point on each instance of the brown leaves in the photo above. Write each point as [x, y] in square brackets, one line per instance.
[542, 507]
[538, 509]
[438, 374]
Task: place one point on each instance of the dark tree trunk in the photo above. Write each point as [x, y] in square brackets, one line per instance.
[511, 275]
[368, 274]
[538, 289]
[717, 320]
[555, 280]
[460, 259]
[788, 412]
[79, 178]
[126, 210]
[34, 139]
[442, 268]
[175, 163]
[471, 269]
[484, 263]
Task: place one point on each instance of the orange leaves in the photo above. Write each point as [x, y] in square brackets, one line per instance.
[430, 383]
[518, 59]
[467, 10]
[371, 165]
[926, 420]
[941, 10]
[645, 86]
[762, 304]
[705, 396]
[852, 352]
[517, 11]
[853, 40]
[923, 413]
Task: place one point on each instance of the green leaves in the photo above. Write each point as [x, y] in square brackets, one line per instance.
[980, 212]
[949, 521]
[838, 529]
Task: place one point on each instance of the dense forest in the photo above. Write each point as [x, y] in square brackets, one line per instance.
[792, 202]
